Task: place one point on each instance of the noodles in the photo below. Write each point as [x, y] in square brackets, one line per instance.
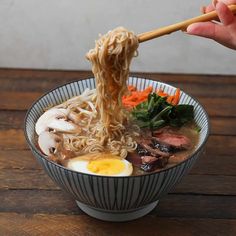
[110, 60]
[99, 113]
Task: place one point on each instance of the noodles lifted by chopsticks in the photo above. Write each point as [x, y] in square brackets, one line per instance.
[110, 60]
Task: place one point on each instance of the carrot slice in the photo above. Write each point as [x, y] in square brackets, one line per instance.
[161, 93]
[170, 99]
[135, 97]
[131, 88]
[176, 98]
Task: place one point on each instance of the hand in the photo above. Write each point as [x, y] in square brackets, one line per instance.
[223, 32]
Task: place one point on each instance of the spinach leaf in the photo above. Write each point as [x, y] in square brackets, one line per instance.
[180, 115]
[156, 112]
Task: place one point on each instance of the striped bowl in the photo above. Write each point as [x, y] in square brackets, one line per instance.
[113, 198]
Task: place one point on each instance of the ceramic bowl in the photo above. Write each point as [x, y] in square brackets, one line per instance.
[113, 198]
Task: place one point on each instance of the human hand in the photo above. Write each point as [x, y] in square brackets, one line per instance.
[223, 32]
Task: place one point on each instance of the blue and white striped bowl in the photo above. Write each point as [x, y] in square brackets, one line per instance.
[113, 198]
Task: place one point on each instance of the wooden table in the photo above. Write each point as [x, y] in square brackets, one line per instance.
[204, 203]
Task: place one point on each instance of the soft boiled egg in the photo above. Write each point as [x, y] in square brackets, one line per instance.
[101, 164]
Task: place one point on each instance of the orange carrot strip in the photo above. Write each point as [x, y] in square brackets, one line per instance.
[161, 93]
[175, 100]
[131, 88]
[169, 99]
[135, 97]
[148, 89]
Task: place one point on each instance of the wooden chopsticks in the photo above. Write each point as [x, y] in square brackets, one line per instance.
[180, 26]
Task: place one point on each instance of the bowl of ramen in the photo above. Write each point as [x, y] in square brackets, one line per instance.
[116, 144]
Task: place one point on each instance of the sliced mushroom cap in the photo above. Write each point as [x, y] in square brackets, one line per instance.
[48, 116]
[63, 126]
[49, 142]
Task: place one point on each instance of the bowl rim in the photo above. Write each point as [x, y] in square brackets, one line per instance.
[33, 148]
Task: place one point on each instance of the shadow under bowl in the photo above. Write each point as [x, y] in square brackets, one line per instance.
[113, 198]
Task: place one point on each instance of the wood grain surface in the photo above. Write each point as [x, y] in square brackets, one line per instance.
[203, 203]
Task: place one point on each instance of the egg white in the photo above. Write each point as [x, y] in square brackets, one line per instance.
[79, 165]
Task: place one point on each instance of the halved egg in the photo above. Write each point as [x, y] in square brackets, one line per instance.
[108, 165]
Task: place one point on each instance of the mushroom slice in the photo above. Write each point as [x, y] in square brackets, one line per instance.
[46, 118]
[49, 142]
[61, 125]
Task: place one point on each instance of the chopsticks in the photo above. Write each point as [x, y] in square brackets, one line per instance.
[180, 26]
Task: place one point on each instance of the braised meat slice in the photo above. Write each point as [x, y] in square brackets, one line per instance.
[150, 157]
[142, 151]
[155, 152]
[150, 163]
[134, 158]
[162, 146]
[177, 141]
[146, 148]
[155, 149]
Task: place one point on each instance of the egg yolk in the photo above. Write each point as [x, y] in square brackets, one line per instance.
[106, 166]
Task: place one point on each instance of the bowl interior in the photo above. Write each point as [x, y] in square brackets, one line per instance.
[64, 92]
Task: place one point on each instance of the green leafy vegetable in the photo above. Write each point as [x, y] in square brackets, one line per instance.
[156, 112]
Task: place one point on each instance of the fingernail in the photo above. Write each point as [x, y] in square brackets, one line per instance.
[203, 9]
[214, 3]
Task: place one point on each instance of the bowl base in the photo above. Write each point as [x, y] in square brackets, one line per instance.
[116, 216]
